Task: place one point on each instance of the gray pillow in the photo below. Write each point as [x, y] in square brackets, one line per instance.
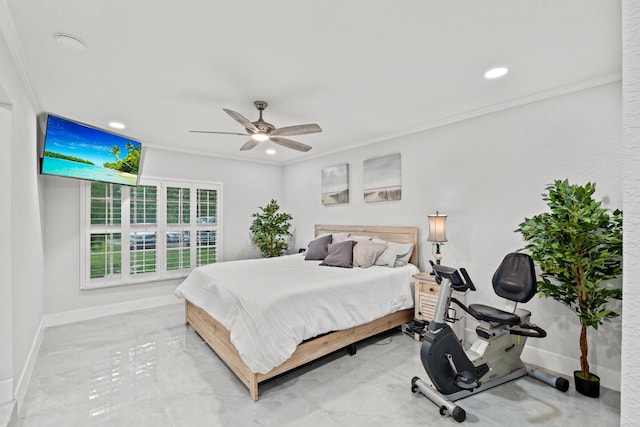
[318, 248]
[340, 255]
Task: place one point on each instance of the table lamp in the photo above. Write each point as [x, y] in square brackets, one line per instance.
[437, 234]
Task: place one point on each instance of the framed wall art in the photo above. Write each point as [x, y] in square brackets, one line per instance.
[382, 178]
[335, 184]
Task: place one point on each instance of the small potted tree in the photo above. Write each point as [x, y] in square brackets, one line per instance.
[270, 230]
[578, 247]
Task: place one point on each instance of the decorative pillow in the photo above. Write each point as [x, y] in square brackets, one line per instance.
[404, 254]
[340, 237]
[396, 254]
[318, 248]
[387, 258]
[340, 254]
[365, 253]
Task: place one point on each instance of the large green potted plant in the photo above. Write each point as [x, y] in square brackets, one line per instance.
[578, 247]
[270, 229]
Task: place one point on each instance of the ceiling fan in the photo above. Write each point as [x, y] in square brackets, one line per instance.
[261, 131]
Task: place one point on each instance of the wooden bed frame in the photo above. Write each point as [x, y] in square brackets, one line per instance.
[218, 337]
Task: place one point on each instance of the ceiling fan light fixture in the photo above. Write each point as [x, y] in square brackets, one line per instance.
[259, 137]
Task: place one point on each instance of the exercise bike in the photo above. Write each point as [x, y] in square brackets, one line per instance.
[494, 357]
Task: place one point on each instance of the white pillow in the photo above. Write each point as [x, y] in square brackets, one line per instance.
[396, 254]
[340, 237]
[403, 258]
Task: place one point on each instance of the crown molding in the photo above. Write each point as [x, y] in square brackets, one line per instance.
[600, 80]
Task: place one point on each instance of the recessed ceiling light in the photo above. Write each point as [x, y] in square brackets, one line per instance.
[117, 125]
[70, 42]
[495, 73]
[270, 151]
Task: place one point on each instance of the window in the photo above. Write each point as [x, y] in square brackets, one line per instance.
[172, 227]
[178, 235]
[143, 229]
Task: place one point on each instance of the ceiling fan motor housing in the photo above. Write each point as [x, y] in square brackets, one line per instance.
[262, 126]
[260, 105]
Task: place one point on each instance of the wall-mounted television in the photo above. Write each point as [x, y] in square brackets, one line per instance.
[76, 150]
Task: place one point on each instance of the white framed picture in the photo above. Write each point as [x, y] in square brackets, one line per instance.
[382, 178]
[335, 184]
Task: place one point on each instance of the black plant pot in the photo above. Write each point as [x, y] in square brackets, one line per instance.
[588, 387]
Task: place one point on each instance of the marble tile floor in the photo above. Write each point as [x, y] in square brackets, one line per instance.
[147, 368]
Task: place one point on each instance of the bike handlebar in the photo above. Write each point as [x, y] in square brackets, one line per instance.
[529, 330]
[467, 279]
[457, 283]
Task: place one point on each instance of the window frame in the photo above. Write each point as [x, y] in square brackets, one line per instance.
[161, 273]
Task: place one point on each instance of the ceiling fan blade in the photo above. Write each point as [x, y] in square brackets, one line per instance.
[242, 120]
[290, 144]
[224, 133]
[296, 130]
[249, 144]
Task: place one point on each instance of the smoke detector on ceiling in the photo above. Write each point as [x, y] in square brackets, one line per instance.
[70, 42]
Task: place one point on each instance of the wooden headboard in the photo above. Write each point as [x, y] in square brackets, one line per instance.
[390, 234]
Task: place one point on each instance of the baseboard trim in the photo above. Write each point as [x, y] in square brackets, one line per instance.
[66, 317]
[560, 364]
[564, 365]
[25, 376]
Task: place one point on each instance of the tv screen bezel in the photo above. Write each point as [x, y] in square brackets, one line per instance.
[95, 128]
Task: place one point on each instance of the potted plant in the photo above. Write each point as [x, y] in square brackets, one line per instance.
[578, 247]
[270, 230]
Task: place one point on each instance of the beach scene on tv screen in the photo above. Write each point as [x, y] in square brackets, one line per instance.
[78, 151]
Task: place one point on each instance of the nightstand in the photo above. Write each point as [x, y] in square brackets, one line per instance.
[426, 292]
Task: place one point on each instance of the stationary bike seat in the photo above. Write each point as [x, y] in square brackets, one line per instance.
[515, 280]
[492, 314]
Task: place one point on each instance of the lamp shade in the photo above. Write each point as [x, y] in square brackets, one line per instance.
[437, 228]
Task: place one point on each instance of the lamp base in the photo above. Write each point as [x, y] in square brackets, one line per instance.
[437, 254]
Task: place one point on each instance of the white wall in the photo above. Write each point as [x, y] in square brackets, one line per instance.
[6, 354]
[245, 187]
[487, 174]
[22, 253]
[630, 399]
[27, 237]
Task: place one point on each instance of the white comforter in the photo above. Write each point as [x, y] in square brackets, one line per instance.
[270, 305]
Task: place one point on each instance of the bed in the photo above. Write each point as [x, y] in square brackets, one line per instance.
[243, 333]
